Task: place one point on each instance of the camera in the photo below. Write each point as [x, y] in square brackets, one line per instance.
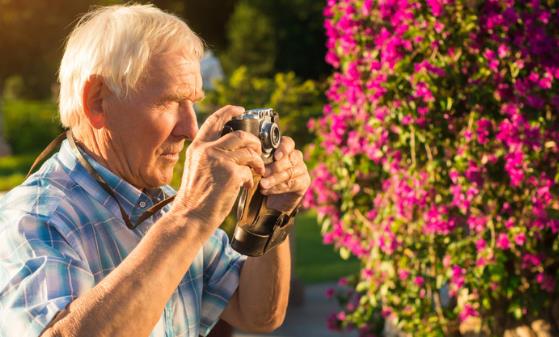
[263, 123]
[259, 228]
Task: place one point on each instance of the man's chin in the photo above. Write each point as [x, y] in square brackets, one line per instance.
[159, 178]
[166, 176]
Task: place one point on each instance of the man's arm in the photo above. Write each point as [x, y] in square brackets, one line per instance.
[130, 300]
[260, 302]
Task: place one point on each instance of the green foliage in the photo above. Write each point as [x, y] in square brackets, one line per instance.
[29, 126]
[13, 170]
[10, 181]
[277, 36]
[316, 262]
[295, 100]
[16, 164]
[251, 38]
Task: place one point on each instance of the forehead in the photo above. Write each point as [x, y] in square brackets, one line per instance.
[172, 62]
[172, 70]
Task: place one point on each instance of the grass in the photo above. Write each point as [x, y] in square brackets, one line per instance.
[316, 262]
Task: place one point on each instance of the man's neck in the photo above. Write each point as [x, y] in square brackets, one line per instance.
[96, 145]
[87, 139]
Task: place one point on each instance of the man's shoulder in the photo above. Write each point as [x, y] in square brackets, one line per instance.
[42, 195]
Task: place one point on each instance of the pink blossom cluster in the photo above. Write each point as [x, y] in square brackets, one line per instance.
[437, 153]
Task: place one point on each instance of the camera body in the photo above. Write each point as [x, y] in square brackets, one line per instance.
[263, 123]
[258, 229]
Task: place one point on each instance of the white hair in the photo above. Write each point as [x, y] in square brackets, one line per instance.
[116, 43]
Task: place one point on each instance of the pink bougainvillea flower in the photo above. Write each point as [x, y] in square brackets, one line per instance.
[436, 156]
[503, 241]
[467, 312]
[419, 281]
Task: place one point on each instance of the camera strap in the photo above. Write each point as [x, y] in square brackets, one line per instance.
[259, 228]
[53, 145]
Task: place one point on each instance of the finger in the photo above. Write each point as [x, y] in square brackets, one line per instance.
[247, 157]
[286, 168]
[283, 175]
[239, 139]
[286, 146]
[245, 177]
[296, 185]
[283, 164]
[277, 166]
[212, 127]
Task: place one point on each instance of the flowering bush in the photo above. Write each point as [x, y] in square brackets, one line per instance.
[437, 161]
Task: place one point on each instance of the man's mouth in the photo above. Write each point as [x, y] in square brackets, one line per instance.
[171, 155]
[173, 151]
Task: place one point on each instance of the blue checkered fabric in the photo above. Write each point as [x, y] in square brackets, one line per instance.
[61, 234]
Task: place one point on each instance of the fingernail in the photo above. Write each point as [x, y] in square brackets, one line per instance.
[278, 155]
[264, 183]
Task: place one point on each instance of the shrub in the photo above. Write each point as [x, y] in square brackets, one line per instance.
[276, 36]
[251, 40]
[29, 125]
[437, 161]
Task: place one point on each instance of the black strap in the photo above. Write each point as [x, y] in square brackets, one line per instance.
[68, 135]
[259, 228]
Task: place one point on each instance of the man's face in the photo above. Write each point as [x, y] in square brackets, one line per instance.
[147, 130]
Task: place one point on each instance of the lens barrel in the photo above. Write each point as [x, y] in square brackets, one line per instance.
[270, 135]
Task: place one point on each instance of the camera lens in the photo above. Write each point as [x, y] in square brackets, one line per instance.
[270, 136]
[275, 135]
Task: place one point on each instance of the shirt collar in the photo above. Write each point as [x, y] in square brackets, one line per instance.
[133, 200]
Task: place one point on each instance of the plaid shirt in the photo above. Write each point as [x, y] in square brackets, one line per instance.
[61, 234]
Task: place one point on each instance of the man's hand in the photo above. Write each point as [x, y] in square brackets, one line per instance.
[216, 167]
[260, 303]
[286, 179]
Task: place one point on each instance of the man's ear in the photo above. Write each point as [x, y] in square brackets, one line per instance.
[92, 101]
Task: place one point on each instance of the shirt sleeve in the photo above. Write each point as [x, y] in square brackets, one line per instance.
[222, 267]
[40, 274]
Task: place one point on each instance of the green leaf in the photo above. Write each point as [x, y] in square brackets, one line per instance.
[344, 253]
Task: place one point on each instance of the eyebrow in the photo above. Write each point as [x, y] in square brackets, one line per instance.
[183, 95]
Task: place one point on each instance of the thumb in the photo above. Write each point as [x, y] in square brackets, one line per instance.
[211, 129]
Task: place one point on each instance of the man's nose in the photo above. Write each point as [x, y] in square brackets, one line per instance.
[187, 124]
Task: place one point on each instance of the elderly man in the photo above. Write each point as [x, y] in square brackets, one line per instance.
[79, 254]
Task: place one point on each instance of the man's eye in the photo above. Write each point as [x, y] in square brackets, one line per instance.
[169, 103]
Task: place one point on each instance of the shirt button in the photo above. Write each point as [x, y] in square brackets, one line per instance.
[142, 204]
